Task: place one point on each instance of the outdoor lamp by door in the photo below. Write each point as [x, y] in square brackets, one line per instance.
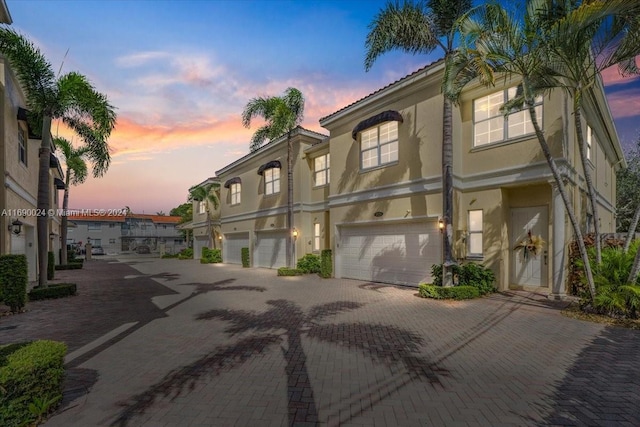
[16, 226]
[295, 233]
[441, 224]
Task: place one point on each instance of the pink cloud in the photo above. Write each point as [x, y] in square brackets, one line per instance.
[624, 104]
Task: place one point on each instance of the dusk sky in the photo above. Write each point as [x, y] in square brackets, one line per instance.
[181, 72]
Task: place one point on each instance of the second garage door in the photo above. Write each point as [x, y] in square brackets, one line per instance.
[389, 253]
[199, 242]
[233, 244]
[271, 249]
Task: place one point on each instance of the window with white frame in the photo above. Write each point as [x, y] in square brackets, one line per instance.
[490, 125]
[590, 139]
[22, 145]
[321, 170]
[316, 237]
[94, 226]
[96, 242]
[202, 206]
[112, 241]
[272, 181]
[235, 190]
[475, 233]
[379, 145]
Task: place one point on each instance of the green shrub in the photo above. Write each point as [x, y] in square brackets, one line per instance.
[453, 292]
[51, 263]
[326, 267]
[211, 256]
[186, 253]
[476, 275]
[614, 296]
[286, 271]
[30, 373]
[71, 266]
[59, 290]
[244, 252]
[13, 281]
[170, 256]
[310, 263]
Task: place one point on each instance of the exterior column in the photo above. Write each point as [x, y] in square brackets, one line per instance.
[559, 249]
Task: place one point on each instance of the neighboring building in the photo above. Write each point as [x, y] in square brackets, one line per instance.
[204, 229]
[131, 233]
[378, 203]
[19, 165]
[254, 201]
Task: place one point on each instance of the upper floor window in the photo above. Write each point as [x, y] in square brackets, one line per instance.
[490, 125]
[235, 193]
[379, 145]
[590, 139]
[321, 170]
[272, 181]
[475, 233]
[94, 226]
[202, 206]
[22, 145]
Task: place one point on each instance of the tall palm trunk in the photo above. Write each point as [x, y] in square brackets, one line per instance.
[43, 201]
[447, 190]
[565, 198]
[632, 229]
[586, 168]
[65, 221]
[635, 268]
[290, 242]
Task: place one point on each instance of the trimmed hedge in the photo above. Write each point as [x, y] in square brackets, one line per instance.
[211, 256]
[186, 253]
[244, 252]
[13, 281]
[308, 264]
[170, 256]
[29, 373]
[71, 266]
[469, 274]
[51, 264]
[59, 290]
[453, 292]
[286, 271]
[326, 267]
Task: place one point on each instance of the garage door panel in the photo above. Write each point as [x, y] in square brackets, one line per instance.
[233, 244]
[398, 253]
[271, 249]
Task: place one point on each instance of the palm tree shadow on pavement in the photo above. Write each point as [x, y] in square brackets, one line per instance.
[284, 322]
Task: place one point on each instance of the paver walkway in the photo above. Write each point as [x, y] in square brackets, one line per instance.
[176, 343]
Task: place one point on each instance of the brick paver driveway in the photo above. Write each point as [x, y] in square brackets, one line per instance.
[177, 343]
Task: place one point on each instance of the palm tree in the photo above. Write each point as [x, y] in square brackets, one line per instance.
[422, 28]
[70, 98]
[583, 41]
[209, 195]
[494, 42]
[282, 115]
[76, 173]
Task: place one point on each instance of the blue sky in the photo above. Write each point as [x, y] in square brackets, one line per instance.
[180, 73]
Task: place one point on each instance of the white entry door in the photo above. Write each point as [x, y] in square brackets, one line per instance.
[529, 269]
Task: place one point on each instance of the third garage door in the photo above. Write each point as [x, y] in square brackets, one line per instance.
[390, 253]
[271, 249]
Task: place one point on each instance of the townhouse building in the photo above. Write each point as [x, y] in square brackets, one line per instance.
[126, 233]
[372, 191]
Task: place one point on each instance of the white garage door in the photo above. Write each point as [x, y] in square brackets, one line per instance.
[233, 244]
[389, 253]
[271, 249]
[198, 243]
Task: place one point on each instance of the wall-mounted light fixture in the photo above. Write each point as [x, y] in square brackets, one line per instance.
[295, 233]
[16, 227]
[220, 237]
[441, 224]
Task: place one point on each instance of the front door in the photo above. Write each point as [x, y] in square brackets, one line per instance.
[529, 264]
